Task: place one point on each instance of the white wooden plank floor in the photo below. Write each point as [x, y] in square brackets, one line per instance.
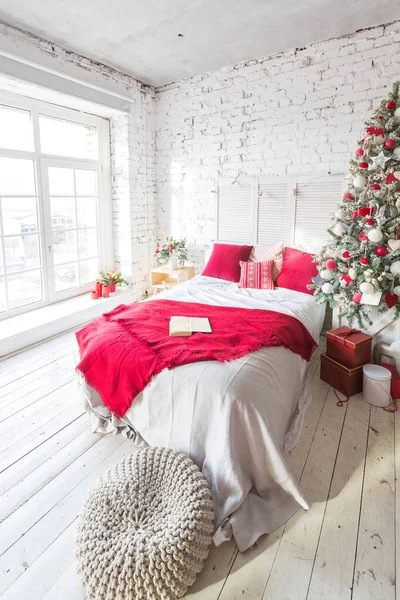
[347, 462]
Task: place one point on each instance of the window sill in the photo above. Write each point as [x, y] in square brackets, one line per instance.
[30, 328]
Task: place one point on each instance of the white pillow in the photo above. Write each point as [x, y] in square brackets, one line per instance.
[264, 252]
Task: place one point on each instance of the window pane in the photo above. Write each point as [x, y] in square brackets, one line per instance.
[17, 177]
[64, 246]
[19, 215]
[61, 181]
[89, 270]
[87, 212]
[66, 277]
[22, 252]
[66, 138]
[1, 259]
[86, 182]
[15, 129]
[24, 288]
[87, 243]
[62, 213]
[2, 295]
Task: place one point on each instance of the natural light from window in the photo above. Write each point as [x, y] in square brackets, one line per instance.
[50, 206]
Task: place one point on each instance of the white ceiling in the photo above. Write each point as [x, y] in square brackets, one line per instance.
[141, 38]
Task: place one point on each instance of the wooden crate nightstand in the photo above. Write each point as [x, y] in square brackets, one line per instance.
[162, 278]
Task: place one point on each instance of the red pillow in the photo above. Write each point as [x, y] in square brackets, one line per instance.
[257, 275]
[224, 262]
[297, 271]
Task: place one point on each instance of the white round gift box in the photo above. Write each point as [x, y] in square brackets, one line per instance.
[376, 385]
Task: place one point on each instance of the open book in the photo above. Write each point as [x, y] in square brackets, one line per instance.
[184, 326]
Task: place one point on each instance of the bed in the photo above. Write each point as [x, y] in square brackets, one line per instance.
[236, 419]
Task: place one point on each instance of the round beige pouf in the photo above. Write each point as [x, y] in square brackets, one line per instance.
[145, 529]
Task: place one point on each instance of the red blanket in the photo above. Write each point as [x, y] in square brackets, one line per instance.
[123, 349]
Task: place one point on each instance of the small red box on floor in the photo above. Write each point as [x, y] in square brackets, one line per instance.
[350, 347]
[344, 380]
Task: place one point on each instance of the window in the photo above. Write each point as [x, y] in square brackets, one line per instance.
[54, 238]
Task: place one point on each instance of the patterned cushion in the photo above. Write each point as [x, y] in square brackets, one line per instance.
[256, 275]
[263, 252]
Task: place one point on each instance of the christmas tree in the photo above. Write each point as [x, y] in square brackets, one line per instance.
[360, 266]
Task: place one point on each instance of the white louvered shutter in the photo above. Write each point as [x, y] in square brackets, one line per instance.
[235, 212]
[316, 201]
[272, 211]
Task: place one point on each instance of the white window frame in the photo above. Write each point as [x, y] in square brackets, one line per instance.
[41, 162]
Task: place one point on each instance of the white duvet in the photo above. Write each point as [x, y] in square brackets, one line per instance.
[235, 419]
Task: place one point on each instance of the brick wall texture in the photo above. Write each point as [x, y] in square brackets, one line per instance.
[299, 112]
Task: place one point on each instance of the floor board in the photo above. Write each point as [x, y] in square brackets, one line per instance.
[347, 462]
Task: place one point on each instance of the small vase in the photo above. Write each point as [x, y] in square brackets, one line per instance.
[173, 263]
[112, 287]
[106, 291]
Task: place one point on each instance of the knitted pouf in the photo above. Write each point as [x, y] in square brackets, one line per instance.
[145, 529]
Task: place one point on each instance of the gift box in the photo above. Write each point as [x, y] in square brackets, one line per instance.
[350, 347]
[344, 380]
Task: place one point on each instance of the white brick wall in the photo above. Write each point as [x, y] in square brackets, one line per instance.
[134, 190]
[298, 112]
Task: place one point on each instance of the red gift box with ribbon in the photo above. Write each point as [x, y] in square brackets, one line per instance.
[349, 347]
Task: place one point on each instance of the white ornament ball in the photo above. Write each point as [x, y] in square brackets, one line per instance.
[396, 151]
[339, 229]
[375, 235]
[397, 113]
[352, 273]
[326, 274]
[327, 288]
[395, 267]
[360, 181]
[396, 290]
[379, 139]
[367, 288]
[340, 214]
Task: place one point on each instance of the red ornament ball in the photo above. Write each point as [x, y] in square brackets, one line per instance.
[348, 196]
[346, 254]
[357, 298]
[360, 151]
[331, 264]
[391, 105]
[381, 251]
[390, 144]
[364, 261]
[363, 165]
[375, 187]
[362, 236]
[369, 222]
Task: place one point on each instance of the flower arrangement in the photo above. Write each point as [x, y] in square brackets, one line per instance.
[112, 278]
[164, 252]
